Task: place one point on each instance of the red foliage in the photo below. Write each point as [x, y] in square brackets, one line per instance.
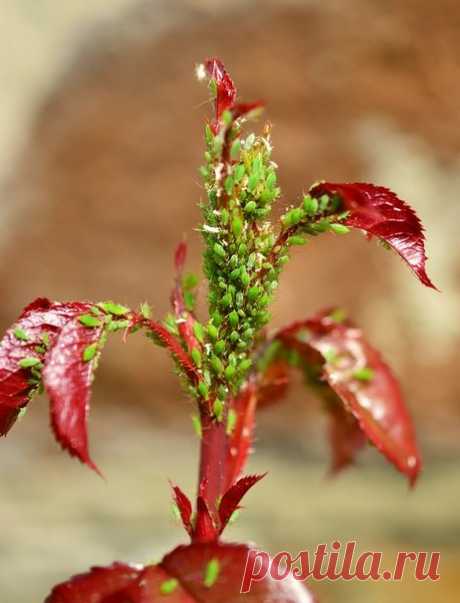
[207, 573]
[355, 371]
[379, 212]
[226, 94]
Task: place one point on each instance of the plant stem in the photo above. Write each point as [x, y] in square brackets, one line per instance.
[214, 443]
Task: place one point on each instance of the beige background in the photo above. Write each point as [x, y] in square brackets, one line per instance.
[101, 123]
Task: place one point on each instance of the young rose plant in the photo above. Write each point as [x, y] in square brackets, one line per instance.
[228, 363]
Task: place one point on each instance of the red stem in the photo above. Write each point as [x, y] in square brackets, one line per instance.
[214, 444]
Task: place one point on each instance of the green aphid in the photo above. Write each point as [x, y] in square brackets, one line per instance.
[253, 181]
[218, 408]
[224, 215]
[190, 281]
[203, 171]
[219, 347]
[296, 240]
[228, 185]
[211, 573]
[45, 337]
[227, 117]
[242, 249]
[208, 134]
[310, 205]
[364, 374]
[237, 226]
[244, 277]
[219, 250]
[234, 336]
[339, 228]
[293, 217]
[203, 390]
[217, 318]
[231, 421]
[189, 300]
[245, 365]
[270, 181]
[198, 331]
[324, 202]
[234, 274]
[90, 352]
[196, 356]
[239, 299]
[197, 426]
[117, 325]
[238, 172]
[251, 260]
[216, 365]
[169, 586]
[250, 207]
[233, 319]
[338, 315]
[213, 332]
[331, 356]
[29, 362]
[113, 308]
[21, 334]
[226, 300]
[212, 88]
[145, 310]
[230, 372]
[253, 293]
[321, 226]
[235, 149]
[90, 321]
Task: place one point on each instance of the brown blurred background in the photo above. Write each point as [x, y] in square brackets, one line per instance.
[101, 120]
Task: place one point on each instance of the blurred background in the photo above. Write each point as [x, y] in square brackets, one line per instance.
[101, 136]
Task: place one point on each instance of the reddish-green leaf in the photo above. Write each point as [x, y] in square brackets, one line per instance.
[380, 213]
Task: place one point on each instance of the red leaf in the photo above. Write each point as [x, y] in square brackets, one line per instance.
[345, 435]
[169, 341]
[67, 378]
[24, 340]
[185, 508]
[273, 384]
[96, 586]
[357, 374]
[233, 497]
[180, 255]
[226, 91]
[183, 576]
[380, 212]
[205, 528]
[239, 447]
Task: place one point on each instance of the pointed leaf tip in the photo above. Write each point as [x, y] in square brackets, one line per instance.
[234, 495]
[379, 212]
[185, 508]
